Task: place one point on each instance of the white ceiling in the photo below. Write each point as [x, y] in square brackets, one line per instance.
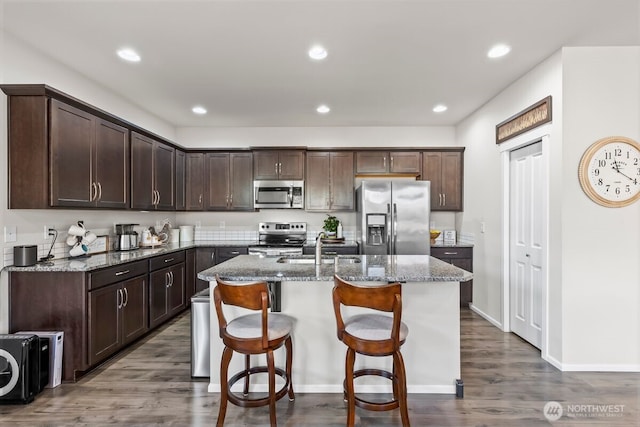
[389, 63]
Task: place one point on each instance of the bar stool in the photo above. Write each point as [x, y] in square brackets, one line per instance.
[372, 334]
[255, 333]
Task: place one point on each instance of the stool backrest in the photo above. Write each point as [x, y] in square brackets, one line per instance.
[383, 298]
[252, 296]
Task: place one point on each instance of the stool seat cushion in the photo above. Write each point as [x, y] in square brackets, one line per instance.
[250, 326]
[373, 327]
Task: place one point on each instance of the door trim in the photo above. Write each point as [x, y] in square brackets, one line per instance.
[542, 135]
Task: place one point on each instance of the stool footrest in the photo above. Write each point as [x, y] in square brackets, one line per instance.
[252, 403]
[375, 406]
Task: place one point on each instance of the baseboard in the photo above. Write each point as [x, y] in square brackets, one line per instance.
[553, 361]
[488, 318]
[330, 388]
[595, 367]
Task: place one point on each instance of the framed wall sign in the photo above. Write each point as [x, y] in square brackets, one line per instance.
[101, 244]
[527, 119]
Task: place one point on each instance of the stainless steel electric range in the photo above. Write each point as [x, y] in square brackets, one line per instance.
[280, 238]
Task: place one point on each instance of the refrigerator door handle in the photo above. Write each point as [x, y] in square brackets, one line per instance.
[395, 232]
[389, 242]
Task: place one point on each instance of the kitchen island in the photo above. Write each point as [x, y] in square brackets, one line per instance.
[430, 296]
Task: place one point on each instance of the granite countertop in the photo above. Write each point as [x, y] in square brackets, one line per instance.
[408, 268]
[110, 259]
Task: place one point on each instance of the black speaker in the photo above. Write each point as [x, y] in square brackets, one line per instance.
[20, 377]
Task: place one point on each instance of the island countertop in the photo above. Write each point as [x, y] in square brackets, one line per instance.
[384, 268]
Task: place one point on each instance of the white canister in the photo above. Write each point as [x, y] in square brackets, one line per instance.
[186, 233]
[174, 236]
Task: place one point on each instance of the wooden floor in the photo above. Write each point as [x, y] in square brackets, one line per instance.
[506, 384]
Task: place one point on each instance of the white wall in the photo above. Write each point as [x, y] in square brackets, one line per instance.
[593, 251]
[483, 181]
[600, 246]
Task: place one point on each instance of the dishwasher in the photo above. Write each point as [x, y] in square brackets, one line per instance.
[200, 325]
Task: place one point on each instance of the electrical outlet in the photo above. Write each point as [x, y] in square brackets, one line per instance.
[10, 233]
[48, 235]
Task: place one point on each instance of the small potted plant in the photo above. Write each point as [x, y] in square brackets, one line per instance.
[331, 225]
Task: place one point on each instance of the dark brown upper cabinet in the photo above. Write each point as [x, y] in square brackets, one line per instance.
[230, 181]
[278, 164]
[152, 174]
[196, 179]
[375, 161]
[62, 156]
[330, 181]
[445, 170]
[180, 189]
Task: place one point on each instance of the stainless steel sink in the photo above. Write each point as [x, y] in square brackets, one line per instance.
[310, 259]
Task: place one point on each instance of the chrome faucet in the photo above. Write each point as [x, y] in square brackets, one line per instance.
[319, 249]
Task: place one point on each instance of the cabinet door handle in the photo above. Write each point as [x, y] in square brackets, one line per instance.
[120, 273]
[213, 255]
[168, 260]
[276, 165]
[235, 253]
[158, 202]
[99, 191]
[444, 198]
[119, 299]
[279, 168]
[166, 281]
[231, 199]
[200, 199]
[330, 253]
[171, 275]
[451, 253]
[94, 192]
[391, 163]
[126, 297]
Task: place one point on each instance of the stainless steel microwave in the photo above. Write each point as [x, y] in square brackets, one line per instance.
[278, 194]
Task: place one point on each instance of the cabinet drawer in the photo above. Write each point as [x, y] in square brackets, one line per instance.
[451, 252]
[228, 252]
[117, 274]
[166, 260]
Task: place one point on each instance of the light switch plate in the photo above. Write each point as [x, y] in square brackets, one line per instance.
[10, 233]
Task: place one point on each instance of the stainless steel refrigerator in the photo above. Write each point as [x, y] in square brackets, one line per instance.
[393, 217]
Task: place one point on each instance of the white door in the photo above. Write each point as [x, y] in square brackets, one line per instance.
[527, 223]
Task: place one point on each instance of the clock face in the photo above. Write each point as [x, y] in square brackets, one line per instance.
[609, 171]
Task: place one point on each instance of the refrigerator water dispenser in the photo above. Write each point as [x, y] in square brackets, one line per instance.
[376, 229]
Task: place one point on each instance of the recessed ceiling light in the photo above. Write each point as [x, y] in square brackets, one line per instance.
[129, 55]
[323, 109]
[440, 108]
[498, 51]
[199, 110]
[317, 52]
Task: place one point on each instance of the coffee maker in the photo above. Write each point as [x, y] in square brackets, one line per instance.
[126, 238]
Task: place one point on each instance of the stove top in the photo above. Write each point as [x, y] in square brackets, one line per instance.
[282, 234]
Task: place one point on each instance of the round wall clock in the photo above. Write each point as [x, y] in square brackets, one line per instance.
[609, 171]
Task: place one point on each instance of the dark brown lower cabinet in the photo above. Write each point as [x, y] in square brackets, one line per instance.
[461, 257]
[102, 311]
[205, 258]
[189, 275]
[166, 294]
[117, 316]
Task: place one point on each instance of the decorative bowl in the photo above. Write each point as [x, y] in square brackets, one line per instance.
[434, 235]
